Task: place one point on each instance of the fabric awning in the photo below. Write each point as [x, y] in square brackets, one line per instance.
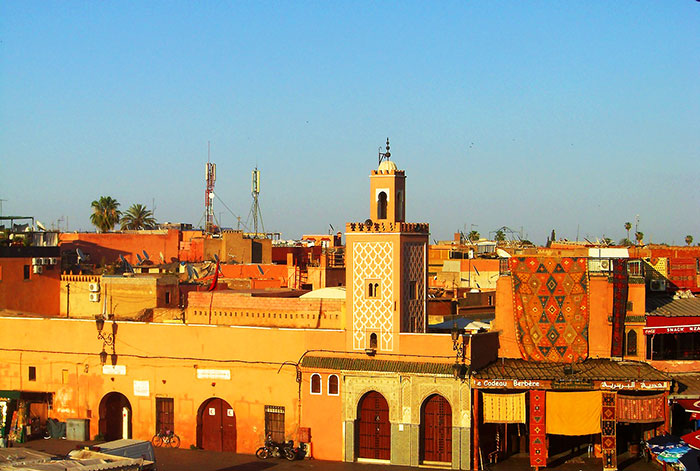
[690, 405]
[9, 394]
[692, 439]
[672, 325]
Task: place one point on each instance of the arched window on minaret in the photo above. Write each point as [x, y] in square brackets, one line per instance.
[381, 205]
[399, 206]
[373, 341]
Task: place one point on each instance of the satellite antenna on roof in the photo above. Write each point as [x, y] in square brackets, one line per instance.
[191, 272]
[138, 257]
[40, 226]
[384, 155]
[145, 254]
[162, 258]
[127, 266]
[81, 256]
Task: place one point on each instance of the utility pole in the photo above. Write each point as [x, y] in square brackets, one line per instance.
[1, 200]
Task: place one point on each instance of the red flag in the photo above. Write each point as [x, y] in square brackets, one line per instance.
[215, 281]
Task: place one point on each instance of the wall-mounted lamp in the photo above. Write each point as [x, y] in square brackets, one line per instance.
[108, 340]
[458, 368]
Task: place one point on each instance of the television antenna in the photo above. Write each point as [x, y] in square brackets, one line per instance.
[384, 155]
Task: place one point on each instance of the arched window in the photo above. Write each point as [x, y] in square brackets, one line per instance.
[333, 385]
[381, 205]
[632, 342]
[315, 383]
[373, 341]
[399, 206]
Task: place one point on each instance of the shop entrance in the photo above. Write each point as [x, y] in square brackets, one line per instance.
[115, 417]
[373, 427]
[436, 430]
[216, 426]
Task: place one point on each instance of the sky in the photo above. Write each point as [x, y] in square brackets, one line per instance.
[574, 116]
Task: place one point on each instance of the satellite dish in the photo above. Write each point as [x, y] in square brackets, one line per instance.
[127, 265]
[368, 222]
[40, 226]
[138, 257]
[145, 254]
[162, 258]
[191, 272]
[81, 255]
[216, 257]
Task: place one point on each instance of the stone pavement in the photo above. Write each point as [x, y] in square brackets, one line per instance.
[201, 460]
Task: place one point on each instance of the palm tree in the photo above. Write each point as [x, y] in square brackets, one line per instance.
[688, 239]
[500, 236]
[639, 236]
[628, 226]
[138, 217]
[105, 213]
[474, 236]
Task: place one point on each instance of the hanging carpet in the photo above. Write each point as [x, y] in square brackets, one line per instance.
[608, 432]
[504, 408]
[538, 432]
[550, 305]
[641, 409]
[619, 311]
[573, 413]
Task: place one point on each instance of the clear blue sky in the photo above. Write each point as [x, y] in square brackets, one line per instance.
[574, 116]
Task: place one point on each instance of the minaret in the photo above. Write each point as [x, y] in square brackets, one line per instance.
[386, 266]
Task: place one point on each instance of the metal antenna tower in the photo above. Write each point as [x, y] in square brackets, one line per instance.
[209, 193]
[255, 211]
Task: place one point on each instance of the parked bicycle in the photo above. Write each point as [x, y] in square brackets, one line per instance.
[166, 438]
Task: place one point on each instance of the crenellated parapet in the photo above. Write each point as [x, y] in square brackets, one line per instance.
[389, 171]
[377, 227]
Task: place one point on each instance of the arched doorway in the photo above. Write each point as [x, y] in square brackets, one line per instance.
[216, 426]
[373, 428]
[115, 417]
[436, 430]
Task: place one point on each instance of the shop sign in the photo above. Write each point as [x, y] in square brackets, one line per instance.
[114, 370]
[510, 383]
[634, 385]
[573, 383]
[213, 374]
[141, 388]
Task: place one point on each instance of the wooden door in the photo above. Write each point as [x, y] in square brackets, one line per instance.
[436, 430]
[373, 427]
[218, 426]
[113, 423]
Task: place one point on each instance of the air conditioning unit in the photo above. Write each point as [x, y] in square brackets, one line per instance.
[657, 285]
[94, 287]
[36, 261]
[94, 297]
[597, 265]
[38, 269]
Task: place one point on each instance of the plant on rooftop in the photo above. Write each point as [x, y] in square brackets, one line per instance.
[474, 236]
[105, 213]
[639, 237]
[138, 217]
[688, 239]
[628, 226]
[500, 236]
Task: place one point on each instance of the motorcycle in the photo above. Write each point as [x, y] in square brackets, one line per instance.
[287, 450]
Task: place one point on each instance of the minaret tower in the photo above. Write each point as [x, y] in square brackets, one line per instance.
[386, 266]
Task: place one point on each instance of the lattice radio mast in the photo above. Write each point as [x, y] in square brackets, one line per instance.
[255, 208]
[209, 194]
